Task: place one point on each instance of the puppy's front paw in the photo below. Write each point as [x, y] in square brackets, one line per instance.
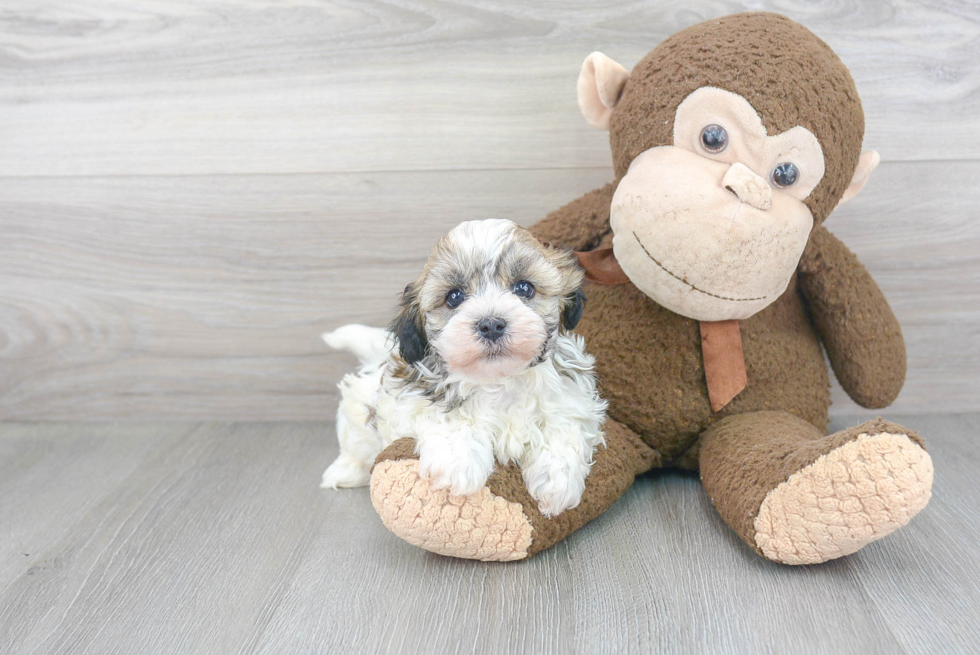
[461, 470]
[556, 482]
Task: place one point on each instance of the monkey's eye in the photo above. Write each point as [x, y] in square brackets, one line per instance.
[785, 175]
[714, 138]
[455, 298]
[523, 289]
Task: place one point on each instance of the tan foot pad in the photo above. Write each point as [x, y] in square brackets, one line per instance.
[482, 526]
[846, 499]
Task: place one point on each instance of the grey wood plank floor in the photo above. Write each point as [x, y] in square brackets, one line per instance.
[214, 538]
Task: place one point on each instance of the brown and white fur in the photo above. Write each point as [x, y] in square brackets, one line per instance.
[484, 371]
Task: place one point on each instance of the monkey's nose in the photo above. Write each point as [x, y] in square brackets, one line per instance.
[749, 187]
[491, 328]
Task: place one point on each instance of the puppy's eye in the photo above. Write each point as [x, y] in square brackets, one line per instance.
[455, 298]
[523, 289]
[785, 175]
[714, 138]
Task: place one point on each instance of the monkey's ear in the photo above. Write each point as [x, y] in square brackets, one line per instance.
[574, 306]
[866, 165]
[409, 328]
[600, 84]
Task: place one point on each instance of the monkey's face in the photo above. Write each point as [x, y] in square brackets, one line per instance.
[712, 227]
[730, 140]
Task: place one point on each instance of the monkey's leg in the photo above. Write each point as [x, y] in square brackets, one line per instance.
[501, 522]
[799, 497]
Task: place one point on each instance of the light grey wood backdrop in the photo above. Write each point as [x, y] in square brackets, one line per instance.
[191, 191]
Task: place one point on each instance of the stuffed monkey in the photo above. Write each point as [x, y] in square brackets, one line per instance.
[713, 286]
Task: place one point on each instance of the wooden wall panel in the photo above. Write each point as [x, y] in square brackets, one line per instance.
[177, 88]
[191, 192]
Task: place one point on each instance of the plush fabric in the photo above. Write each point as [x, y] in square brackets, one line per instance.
[787, 489]
[590, 223]
[405, 503]
[765, 456]
[789, 75]
[867, 163]
[689, 236]
[651, 371]
[481, 526]
[857, 327]
[856, 494]
[709, 105]
[724, 361]
[597, 98]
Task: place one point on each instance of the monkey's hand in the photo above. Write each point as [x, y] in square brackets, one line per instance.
[860, 332]
[580, 224]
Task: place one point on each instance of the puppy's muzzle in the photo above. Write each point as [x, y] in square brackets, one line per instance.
[491, 328]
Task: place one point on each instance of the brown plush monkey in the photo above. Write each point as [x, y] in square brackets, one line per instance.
[716, 284]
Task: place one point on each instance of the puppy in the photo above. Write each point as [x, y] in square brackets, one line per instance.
[485, 370]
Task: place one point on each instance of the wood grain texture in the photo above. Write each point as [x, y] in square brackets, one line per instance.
[109, 87]
[190, 193]
[208, 538]
[203, 297]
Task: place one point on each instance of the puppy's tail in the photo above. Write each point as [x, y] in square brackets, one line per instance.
[371, 345]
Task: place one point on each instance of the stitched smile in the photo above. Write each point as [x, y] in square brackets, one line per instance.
[682, 280]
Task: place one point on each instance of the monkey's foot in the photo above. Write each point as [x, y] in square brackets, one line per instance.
[798, 496]
[481, 526]
[858, 492]
[501, 522]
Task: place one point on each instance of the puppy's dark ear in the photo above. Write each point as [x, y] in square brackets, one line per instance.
[409, 328]
[572, 312]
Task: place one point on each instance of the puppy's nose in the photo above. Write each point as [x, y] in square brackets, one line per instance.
[491, 328]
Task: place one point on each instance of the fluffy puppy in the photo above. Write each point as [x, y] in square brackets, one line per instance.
[478, 368]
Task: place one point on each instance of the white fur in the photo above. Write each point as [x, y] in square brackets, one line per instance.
[463, 351]
[528, 396]
[548, 422]
[369, 344]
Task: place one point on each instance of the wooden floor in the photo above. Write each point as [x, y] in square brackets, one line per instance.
[214, 538]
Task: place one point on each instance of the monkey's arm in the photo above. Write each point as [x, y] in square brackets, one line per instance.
[580, 224]
[858, 329]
